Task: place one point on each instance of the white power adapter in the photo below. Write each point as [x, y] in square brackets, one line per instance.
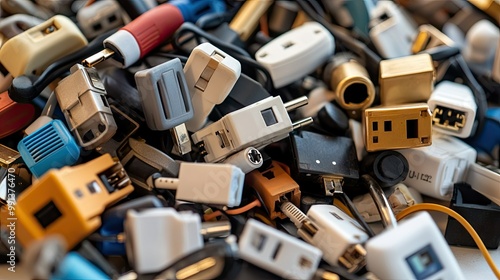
[332, 231]
[208, 183]
[210, 76]
[453, 109]
[434, 169]
[256, 125]
[277, 252]
[484, 181]
[296, 53]
[415, 249]
[391, 31]
[157, 237]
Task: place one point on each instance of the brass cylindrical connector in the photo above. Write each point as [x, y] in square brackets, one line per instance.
[352, 86]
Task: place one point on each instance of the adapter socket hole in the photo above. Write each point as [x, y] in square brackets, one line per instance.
[276, 251]
[411, 129]
[317, 31]
[97, 26]
[355, 93]
[288, 44]
[424, 140]
[387, 125]
[375, 139]
[258, 241]
[375, 126]
[305, 263]
[112, 18]
[263, 55]
[269, 175]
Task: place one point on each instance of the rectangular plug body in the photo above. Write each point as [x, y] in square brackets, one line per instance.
[406, 79]
[453, 109]
[69, 201]
[277, 252]
[273, 184]
[82, 98]
[30, 52]
[256, 125]
[397, 127]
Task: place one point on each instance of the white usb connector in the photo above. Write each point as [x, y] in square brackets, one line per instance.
[256, 125]
[210, 75]
[336, 234]
[277, 252]
[453, 109]
[205, 183]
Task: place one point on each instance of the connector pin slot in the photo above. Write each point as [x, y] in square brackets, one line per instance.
[448, 118]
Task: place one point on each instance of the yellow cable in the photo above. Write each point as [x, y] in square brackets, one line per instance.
[461, 220]
[342, 207]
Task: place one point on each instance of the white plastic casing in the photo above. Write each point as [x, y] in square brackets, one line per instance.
[278, 252]
[356, 131]
[391, 31]
[158, 237]
[126, 44]
[389, 254]
[296, 53]
[480, 46]
[336, 231]
[484, 181]
[434, 169]
[210, 75]
[210, 183]
[458, 97]
[99, 17]
[245, 128]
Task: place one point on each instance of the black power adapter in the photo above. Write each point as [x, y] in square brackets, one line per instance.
[323, 164]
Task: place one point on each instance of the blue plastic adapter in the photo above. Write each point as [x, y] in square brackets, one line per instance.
[51, 146]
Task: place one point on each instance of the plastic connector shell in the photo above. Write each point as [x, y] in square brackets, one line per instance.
[434, 169]
[272, 184]
[337, 232]
[213, 183]
[453, 109]
[318, 156]
[406, 79]
[50, 146]
[210, 75]
[33, 50]
[82, 98]
[309, 46]
[99, 17]
[257, 125]
[479, 211]
[166, 101]
[391, 31]
[69, 201]
[278, 252]
[156, 238]
[415, 249]
[397, 127]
